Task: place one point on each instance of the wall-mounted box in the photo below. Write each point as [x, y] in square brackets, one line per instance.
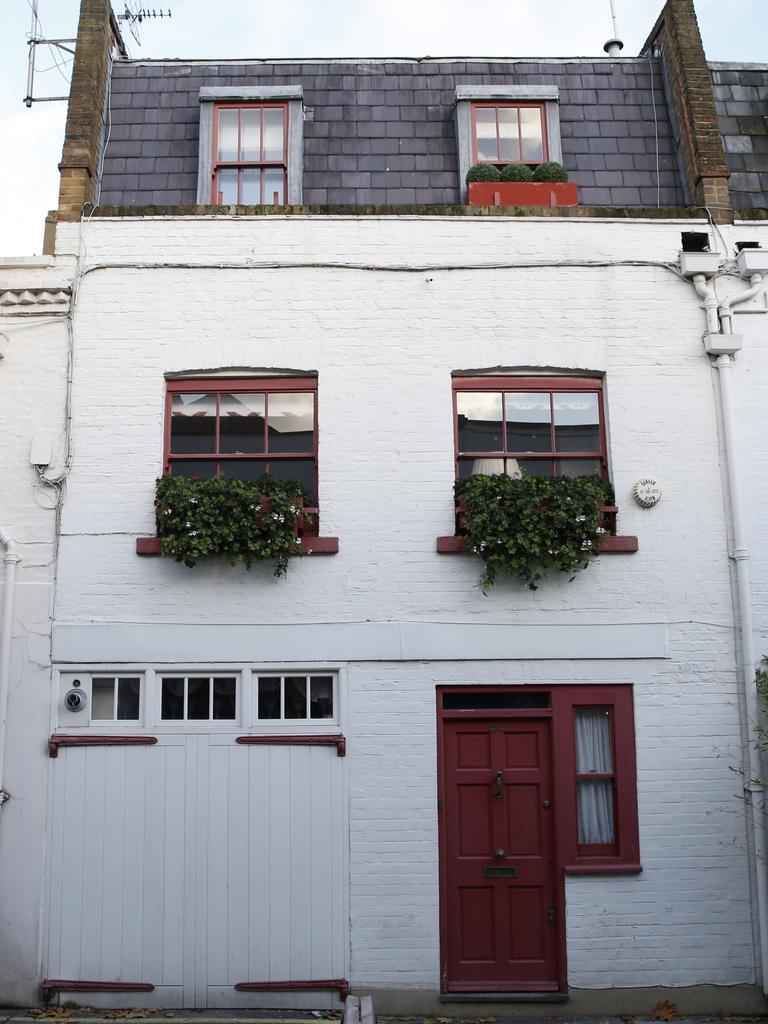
[692, 263]
[723, 344]
[752, 261]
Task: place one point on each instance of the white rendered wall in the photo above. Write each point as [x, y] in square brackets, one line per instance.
[384, 344]
[32, 389]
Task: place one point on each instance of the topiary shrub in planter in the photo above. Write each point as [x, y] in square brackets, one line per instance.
[516, 172]
[239, 520]
[483, 172]
[550, 171]
[527, 526]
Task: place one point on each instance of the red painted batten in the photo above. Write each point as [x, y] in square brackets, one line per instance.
[87, 740]
[51, 985]
[334, 740]
[295, 986]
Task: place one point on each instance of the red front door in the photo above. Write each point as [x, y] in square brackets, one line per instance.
[501, 902]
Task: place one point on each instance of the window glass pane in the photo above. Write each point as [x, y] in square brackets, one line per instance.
[194, 469]
[295, 697]
[528, 422]
[224, 697]
[534, 467]
[198, 698]
[593, 740]
[269, 697]
[128, 699]
[243, 469]
[487, 467]
[481, 700]
[509, 140]
[577, 423]
[530, 133]
[321, 697]
[577, 467]
[291, 422]
[595, 799]
[172, 701]
[193, 424]
[274, 186]
[226, 187]
[480, 421]
[250, 135]
[485, 125]
[241, 426]
[274, 119]
[302, 470]
[102, 700]
[227, 141]
[250, 186]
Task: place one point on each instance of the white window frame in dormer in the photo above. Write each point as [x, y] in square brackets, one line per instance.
[212, 97]
[469, 95]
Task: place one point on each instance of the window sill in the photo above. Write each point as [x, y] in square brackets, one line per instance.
[152, 546]
[603, 869]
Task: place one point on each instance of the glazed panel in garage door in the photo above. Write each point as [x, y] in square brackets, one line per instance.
[196, 864]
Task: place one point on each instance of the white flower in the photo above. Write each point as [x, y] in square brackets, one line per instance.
[294, 509]
[586, 545]
[298, 540]
[189, 524]
[193, 533]
[600, 530]
[252, 508]
[193, 501]
[169, 511]
[581, 519]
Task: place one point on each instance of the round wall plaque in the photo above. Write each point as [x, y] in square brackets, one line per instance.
[646, 493]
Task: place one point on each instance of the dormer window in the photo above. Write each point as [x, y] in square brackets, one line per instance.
[250, 156]
[509, 133]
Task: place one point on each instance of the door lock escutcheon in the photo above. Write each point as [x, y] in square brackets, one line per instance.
[551, 915]
[498, 854]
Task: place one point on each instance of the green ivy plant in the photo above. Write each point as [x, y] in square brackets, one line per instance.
[227, 518]
[526, 526]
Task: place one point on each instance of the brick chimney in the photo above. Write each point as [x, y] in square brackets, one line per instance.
[98, 36]
[676, 40]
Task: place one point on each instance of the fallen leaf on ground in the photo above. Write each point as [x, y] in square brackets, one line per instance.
[664, 1011]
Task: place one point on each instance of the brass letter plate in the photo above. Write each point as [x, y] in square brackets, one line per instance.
[499, 872]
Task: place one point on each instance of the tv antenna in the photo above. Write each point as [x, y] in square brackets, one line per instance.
[614, 46]
[36, 39]
[133, 15]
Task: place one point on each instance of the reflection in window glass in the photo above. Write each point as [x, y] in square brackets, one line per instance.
[115, 698]
[227, 149]
[321, 697]
[291, 422]
[535, 467]
[485, 127]
[172, 699]
[273, 182]
[243, 469]
[193, 424]
[577, 422]
[295, 697]
[250, 135]
[479, 421]
[528, 422]
[509, 136]
[224, 691]
[128, 693]
[226, 186]
[531, 138]
[242, 423]
[577, 467]
[250, 186]
[199, 698]
[302, 470]
[269, 691]
[194, 469]
[274, 120]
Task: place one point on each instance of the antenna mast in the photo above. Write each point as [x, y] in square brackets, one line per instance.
[134, 15]
[614, 46]
[35, 40]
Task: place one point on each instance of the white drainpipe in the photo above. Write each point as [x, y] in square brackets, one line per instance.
[723, 347]
[11, 559]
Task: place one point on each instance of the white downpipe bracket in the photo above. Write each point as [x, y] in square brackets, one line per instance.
[11, 559]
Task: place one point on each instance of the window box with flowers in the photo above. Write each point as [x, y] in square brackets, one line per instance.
[532, 490]
[240, 472]
[519, 185]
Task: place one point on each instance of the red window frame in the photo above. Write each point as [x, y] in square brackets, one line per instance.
[541, 107]
[535, 385]
[241, 385]
[239, 165]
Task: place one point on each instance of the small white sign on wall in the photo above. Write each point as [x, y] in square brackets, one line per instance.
[646, 493]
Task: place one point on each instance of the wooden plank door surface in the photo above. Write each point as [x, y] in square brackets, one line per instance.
[501, 929]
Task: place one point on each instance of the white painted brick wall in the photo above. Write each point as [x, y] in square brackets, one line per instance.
[32, 388]
[384, 344]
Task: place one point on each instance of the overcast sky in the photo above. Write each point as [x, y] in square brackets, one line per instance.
[732, 30]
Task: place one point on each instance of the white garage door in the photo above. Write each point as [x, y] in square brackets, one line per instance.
[194, 865]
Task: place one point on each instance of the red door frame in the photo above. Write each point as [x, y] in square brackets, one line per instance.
[559, 874]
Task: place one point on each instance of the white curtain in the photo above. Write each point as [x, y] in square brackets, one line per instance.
[594, 754]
